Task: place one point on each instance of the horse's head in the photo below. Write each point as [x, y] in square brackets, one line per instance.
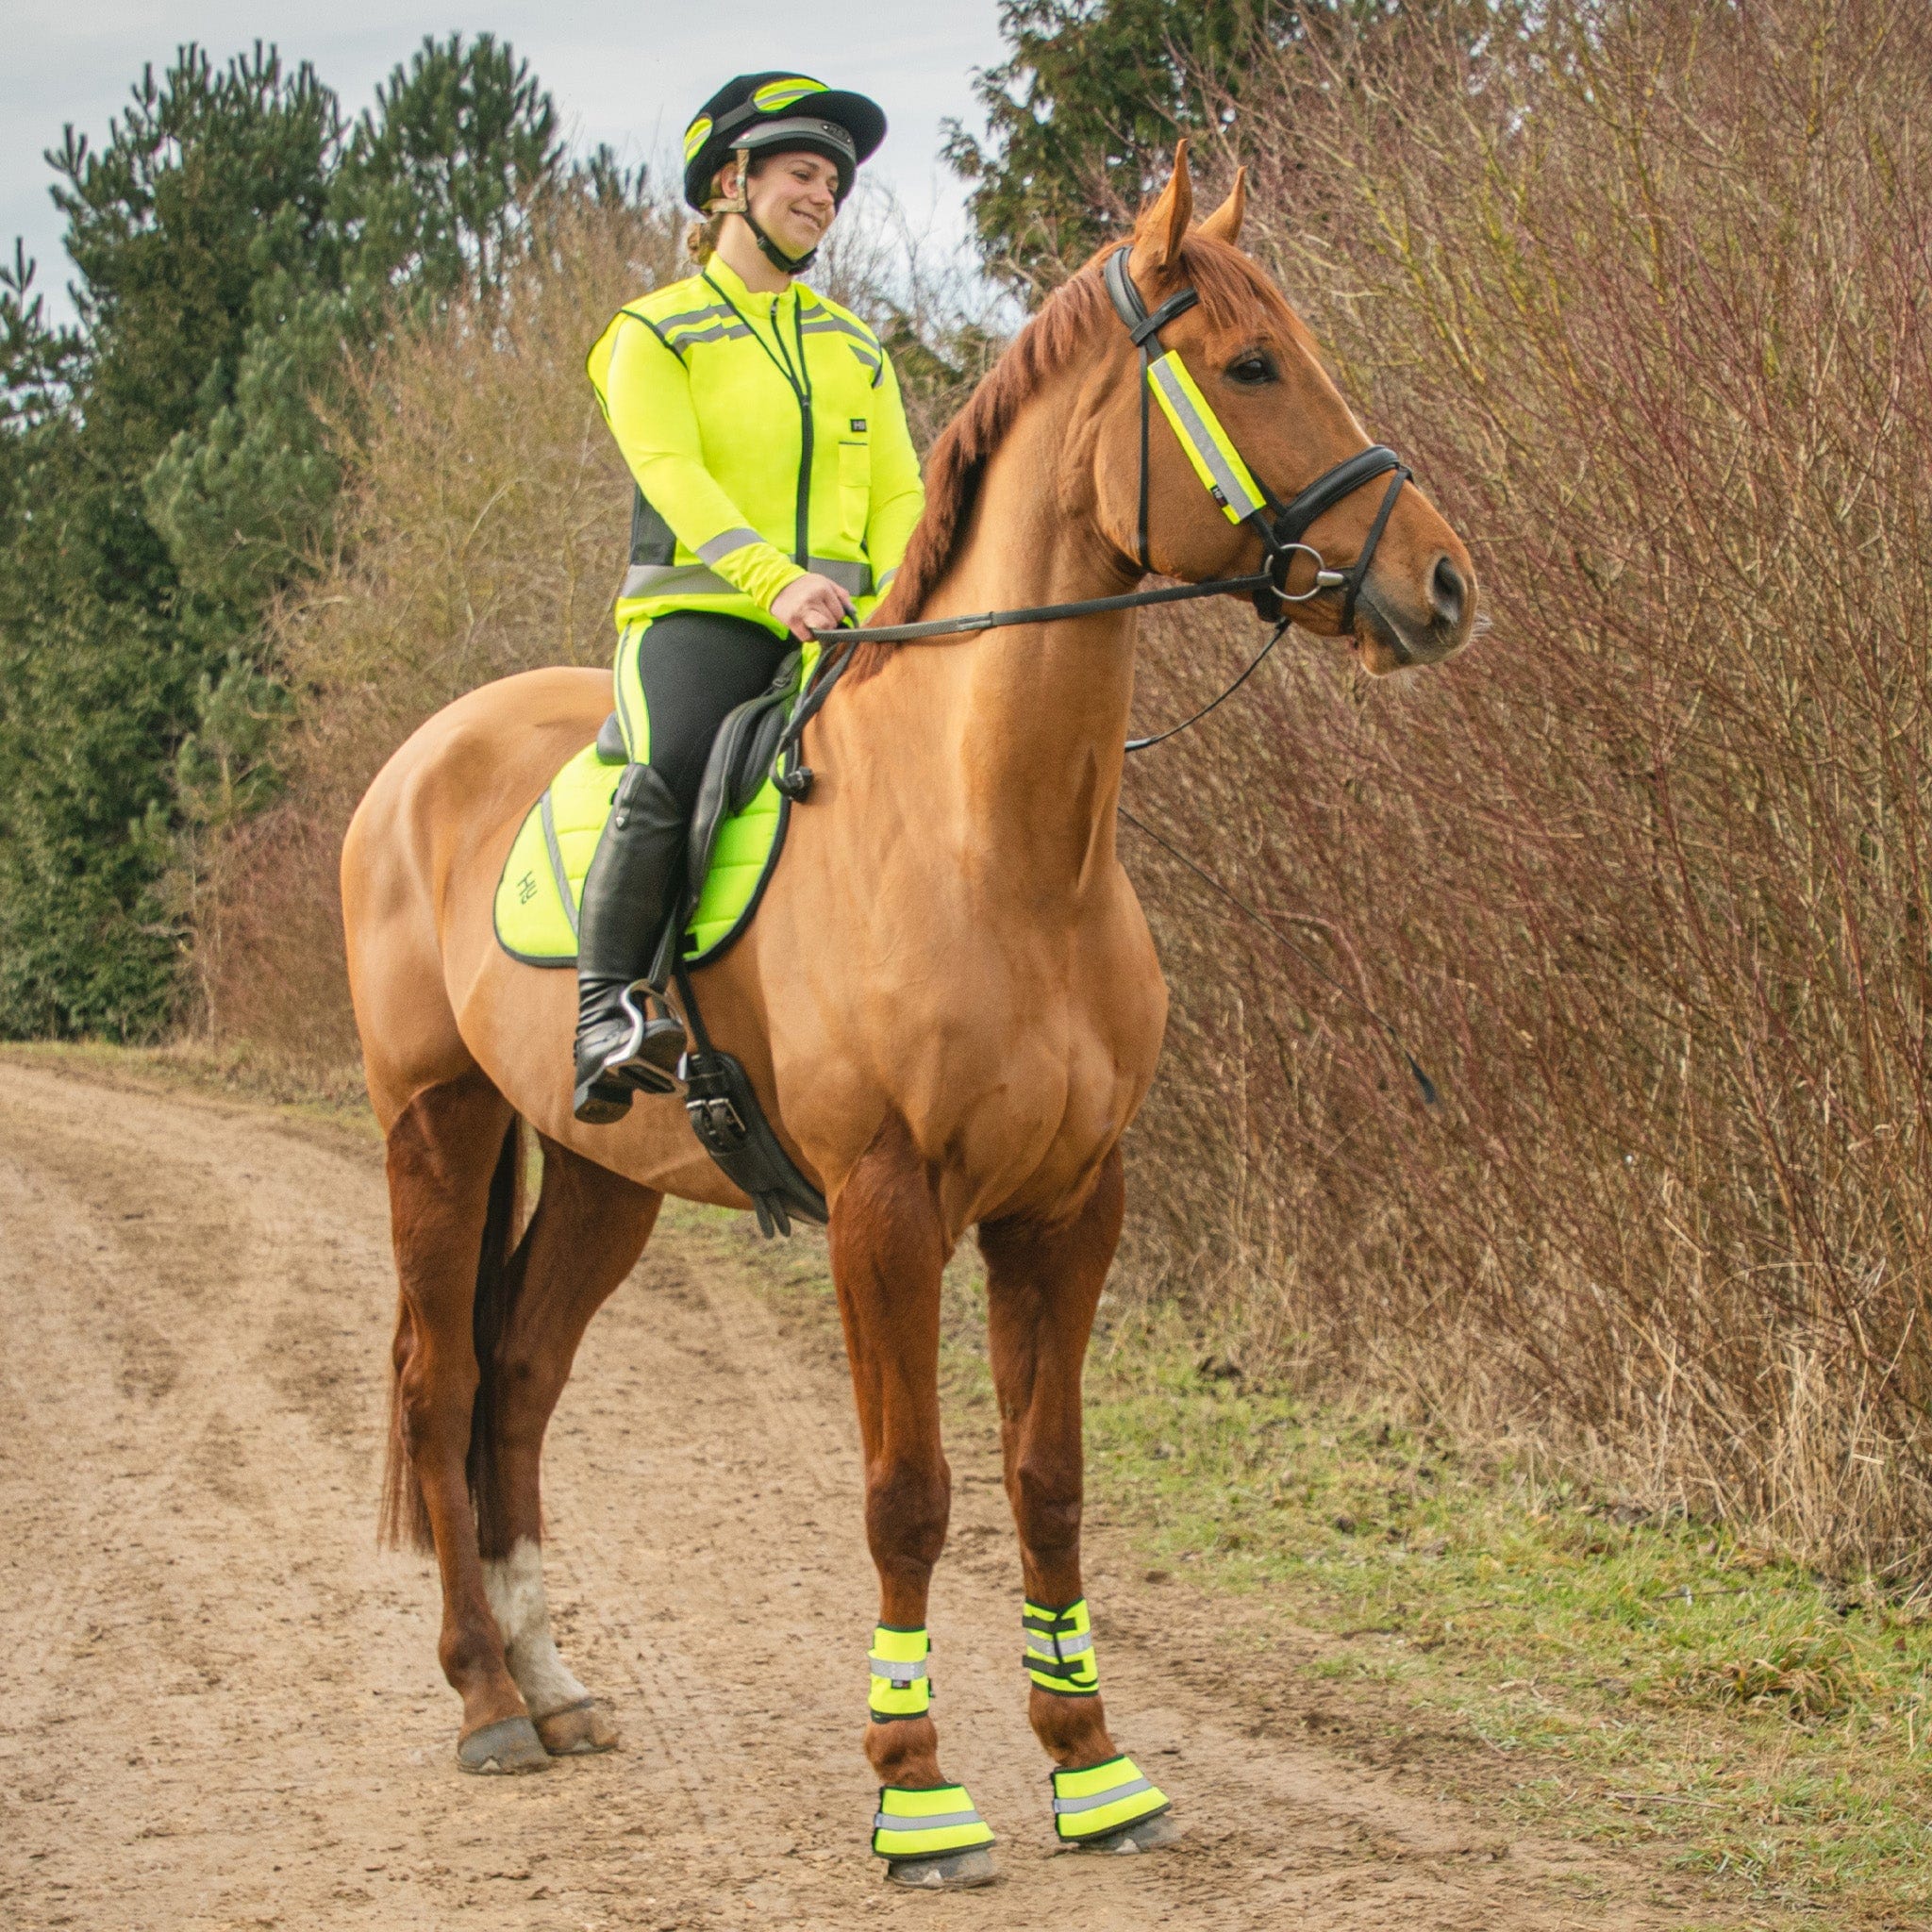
[1251, 361]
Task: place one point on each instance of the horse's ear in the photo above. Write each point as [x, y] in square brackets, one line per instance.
[1224, 224]
[1158, 236]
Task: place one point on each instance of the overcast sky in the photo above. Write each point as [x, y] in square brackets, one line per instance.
[631, 75]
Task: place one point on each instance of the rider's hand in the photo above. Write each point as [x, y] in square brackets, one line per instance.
[811, 602]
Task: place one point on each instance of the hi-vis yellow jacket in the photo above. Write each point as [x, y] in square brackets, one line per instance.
[767, 437]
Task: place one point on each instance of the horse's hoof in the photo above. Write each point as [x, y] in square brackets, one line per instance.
[955, 1871]
[1143, 1835]
[578, 1730]
[503, 1749]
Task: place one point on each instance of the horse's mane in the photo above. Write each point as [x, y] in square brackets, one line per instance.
[1229, 284]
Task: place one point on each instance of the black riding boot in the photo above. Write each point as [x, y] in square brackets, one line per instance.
[623, 1044]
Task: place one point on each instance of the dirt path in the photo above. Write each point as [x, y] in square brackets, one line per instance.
[220, 1705]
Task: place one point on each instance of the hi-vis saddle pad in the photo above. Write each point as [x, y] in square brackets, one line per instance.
[738, 831]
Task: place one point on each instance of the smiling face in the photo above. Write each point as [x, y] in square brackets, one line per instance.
[792, 197]
[1259, 369]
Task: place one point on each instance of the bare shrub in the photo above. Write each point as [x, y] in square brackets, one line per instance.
[1643, 295]
[484, 534]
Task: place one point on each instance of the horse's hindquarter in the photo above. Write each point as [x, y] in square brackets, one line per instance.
[434, 994]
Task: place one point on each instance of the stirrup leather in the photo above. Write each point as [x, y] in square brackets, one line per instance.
[1102, 1798]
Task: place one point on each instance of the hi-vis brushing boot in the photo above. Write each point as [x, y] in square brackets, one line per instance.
[932, 1839]
[1108, 1807]
[627, 1037]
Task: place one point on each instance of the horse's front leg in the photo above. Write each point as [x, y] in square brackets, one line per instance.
[888, 1250]
[1043, 1283]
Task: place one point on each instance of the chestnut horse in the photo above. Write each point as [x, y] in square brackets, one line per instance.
[949, 1000]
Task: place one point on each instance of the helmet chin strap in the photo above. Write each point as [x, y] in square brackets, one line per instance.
[785, 264]
[739, 203]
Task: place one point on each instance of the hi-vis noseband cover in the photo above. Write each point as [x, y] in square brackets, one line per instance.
[1059, 1649]
[901, 1686]
[1216, 460]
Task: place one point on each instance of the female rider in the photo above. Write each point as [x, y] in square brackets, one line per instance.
[776, 487]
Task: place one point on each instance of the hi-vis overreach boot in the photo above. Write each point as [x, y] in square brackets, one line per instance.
[1112, 1806]
[932, 1835]
[627, 1037]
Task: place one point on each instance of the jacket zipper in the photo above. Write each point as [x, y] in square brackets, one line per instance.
[800, 389]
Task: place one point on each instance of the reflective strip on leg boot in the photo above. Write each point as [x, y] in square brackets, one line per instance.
[1059, 1649]
[927, 1825]
[1102, 1798]
[901, 1686]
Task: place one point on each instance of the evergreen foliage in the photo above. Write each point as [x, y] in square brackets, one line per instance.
[166, 466]
[1083, 114]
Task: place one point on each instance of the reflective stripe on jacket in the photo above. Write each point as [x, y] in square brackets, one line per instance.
[767, 437]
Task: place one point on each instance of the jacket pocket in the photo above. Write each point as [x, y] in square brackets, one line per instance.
[854, 489]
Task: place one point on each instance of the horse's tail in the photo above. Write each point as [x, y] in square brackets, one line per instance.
[499, 1278]
[404, 1517]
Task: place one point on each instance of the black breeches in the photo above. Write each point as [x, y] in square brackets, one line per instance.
[687, 669]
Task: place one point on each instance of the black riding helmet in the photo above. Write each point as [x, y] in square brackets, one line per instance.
[783, 113]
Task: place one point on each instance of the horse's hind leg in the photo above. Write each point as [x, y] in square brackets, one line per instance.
[452, 1161]
[588, 1231]
[1043, 1283]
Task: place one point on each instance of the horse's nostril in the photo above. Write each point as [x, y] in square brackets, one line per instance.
[1449, 591]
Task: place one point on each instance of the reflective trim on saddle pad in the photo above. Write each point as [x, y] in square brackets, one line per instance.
[542, 881]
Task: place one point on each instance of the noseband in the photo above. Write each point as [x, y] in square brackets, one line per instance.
[1165, 379]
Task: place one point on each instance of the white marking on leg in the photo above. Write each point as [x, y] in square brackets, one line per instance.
[514, 1584]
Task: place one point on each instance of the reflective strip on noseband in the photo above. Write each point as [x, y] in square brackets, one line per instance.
[1102, 1798]
[1216, 460]
[1059, 1649]
[927, 1825]
[900, 1684]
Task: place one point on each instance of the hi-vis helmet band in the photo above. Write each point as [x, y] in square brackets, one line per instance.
[1102, 1798]
[926, 1825]
[1216, 460]
[1059, 1649]
[694, 136]
[901, 1686]
[781, 94]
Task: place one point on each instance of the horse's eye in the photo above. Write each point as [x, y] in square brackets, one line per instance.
[1253, 370]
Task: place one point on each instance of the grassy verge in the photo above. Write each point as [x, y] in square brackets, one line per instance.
[1616, 1676]
[231, 1074]
[1589, 1670]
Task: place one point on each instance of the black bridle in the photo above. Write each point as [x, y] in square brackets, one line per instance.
[1282, 528]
